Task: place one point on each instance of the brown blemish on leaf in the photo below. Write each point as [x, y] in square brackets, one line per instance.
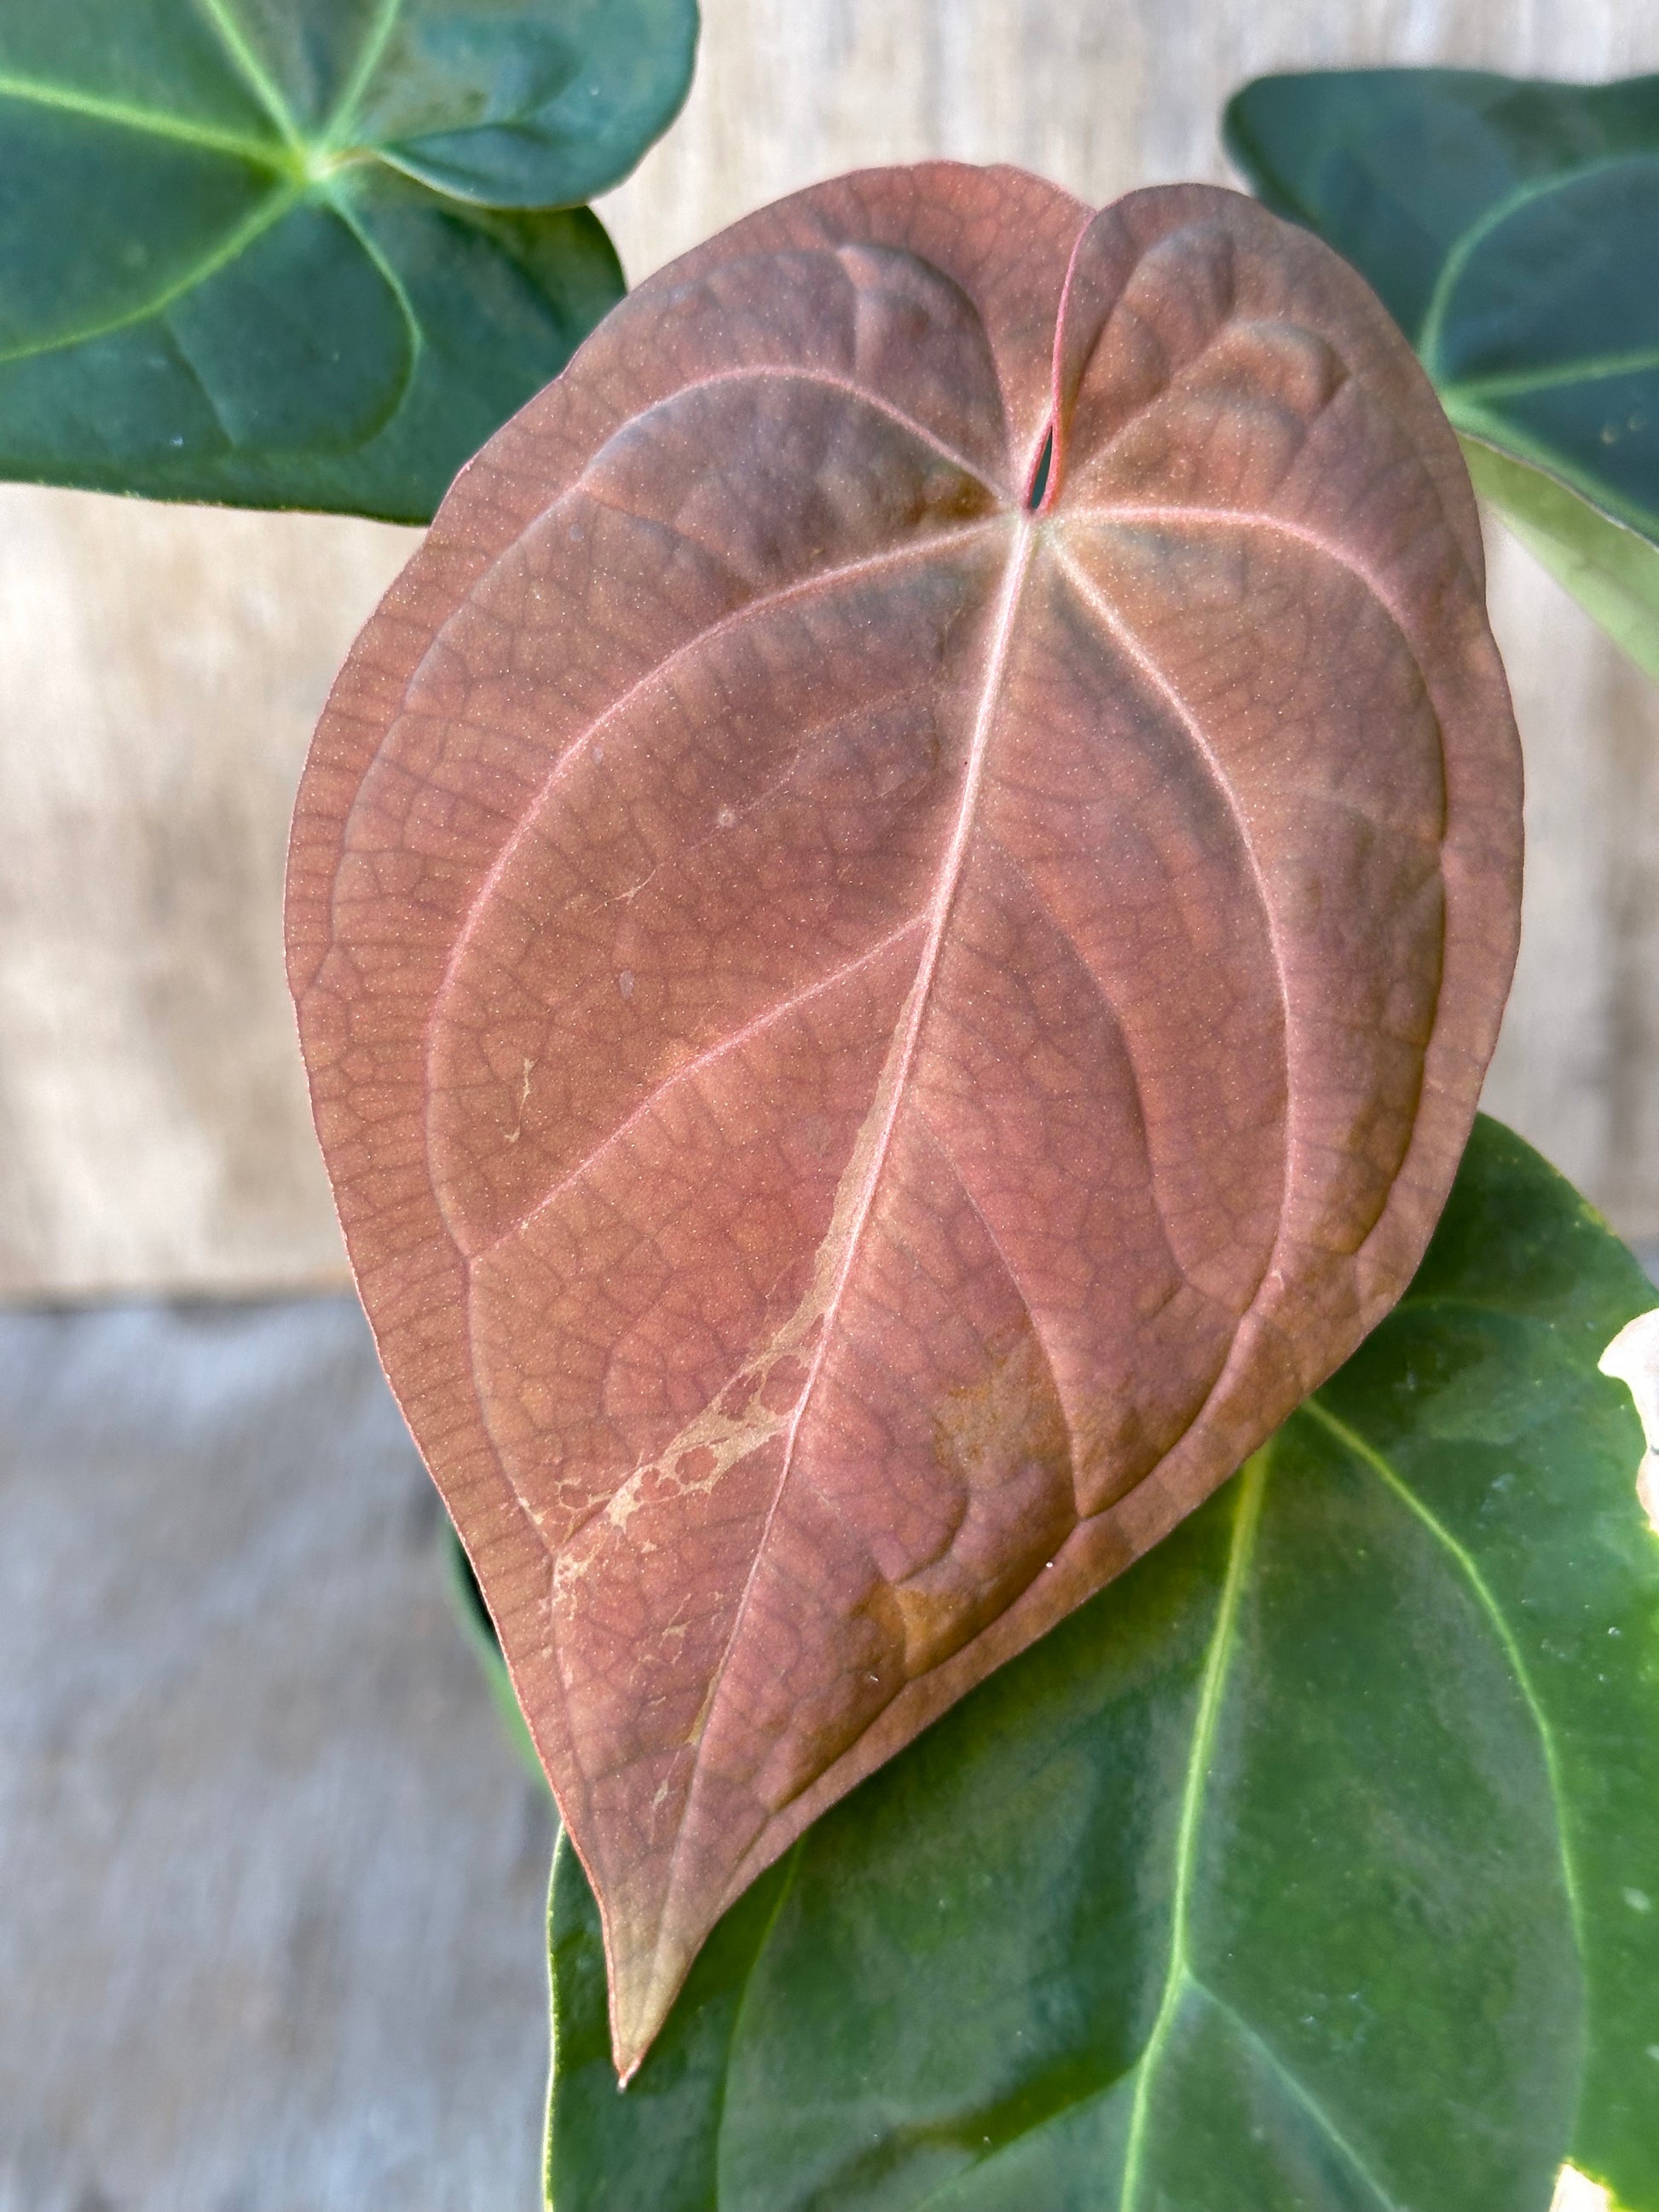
[871, 1039]
[1001, 1447]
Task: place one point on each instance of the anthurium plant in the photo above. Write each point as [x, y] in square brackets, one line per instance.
[896, 927]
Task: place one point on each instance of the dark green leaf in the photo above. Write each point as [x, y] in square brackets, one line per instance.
[1312, 1867]
[1513, 229]
[306, 253]
[481, 1634]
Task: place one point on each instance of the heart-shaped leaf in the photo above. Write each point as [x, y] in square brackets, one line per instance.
[1315, 1864]
[896, 927]
[306, 253]
[1513, 228]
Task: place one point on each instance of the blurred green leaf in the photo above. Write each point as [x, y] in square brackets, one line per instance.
[306, 253]
[1512, 228]
[480, 1630]
[1612, 569]
[1312, 1867]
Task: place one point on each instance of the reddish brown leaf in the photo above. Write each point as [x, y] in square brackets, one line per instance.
[881, 1007]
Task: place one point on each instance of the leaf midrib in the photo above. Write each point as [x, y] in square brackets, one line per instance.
[264, 217]
[1516, 384]
[1247, 1520]
[40, 92]
[1020, 558]
[294, 161]
[292, 153]
[236, 43]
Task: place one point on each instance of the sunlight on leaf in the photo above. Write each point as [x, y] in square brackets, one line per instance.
[1633, 1358]
[1577, 2192]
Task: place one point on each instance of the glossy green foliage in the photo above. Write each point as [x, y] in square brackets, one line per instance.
[1513, 229]
[306, 253]
[1314, 1865]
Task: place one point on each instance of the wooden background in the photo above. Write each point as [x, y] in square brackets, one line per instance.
[160, 668]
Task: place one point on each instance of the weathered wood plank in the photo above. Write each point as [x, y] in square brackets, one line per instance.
[161, 668]
[274, 1879]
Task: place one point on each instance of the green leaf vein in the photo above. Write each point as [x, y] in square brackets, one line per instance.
[338, 127]
[263, 218]
[389, 276]
[1247, 1520]
[1464, 247]
[1303, 2096]
[236, 44]
[1516, 383]
[156, 122]
[1368, 1454]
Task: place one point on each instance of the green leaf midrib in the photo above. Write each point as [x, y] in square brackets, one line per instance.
[1515, 384]
[292, 159]
[1181, 1978]
[1247, 1520]
[338, 127]
[292, 153]
[265, 217]
[1464, 247]
[236, 42]
[389, 277]
[1302, 2096]
[155, 121]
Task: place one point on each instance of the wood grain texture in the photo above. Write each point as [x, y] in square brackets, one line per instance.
[275, 1878]
[896, 925]
[1100, 98]
[160, 671]
[157, 1140]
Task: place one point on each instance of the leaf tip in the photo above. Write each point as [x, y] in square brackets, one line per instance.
[1632, 1359]
[644, 1984]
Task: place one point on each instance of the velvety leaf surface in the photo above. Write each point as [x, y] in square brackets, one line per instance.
[886, 992]
[1513, 228]
[1314, 1865]
[306, 253]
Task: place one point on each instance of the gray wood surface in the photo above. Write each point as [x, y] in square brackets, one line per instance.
[159, 668]
[272, 1881]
